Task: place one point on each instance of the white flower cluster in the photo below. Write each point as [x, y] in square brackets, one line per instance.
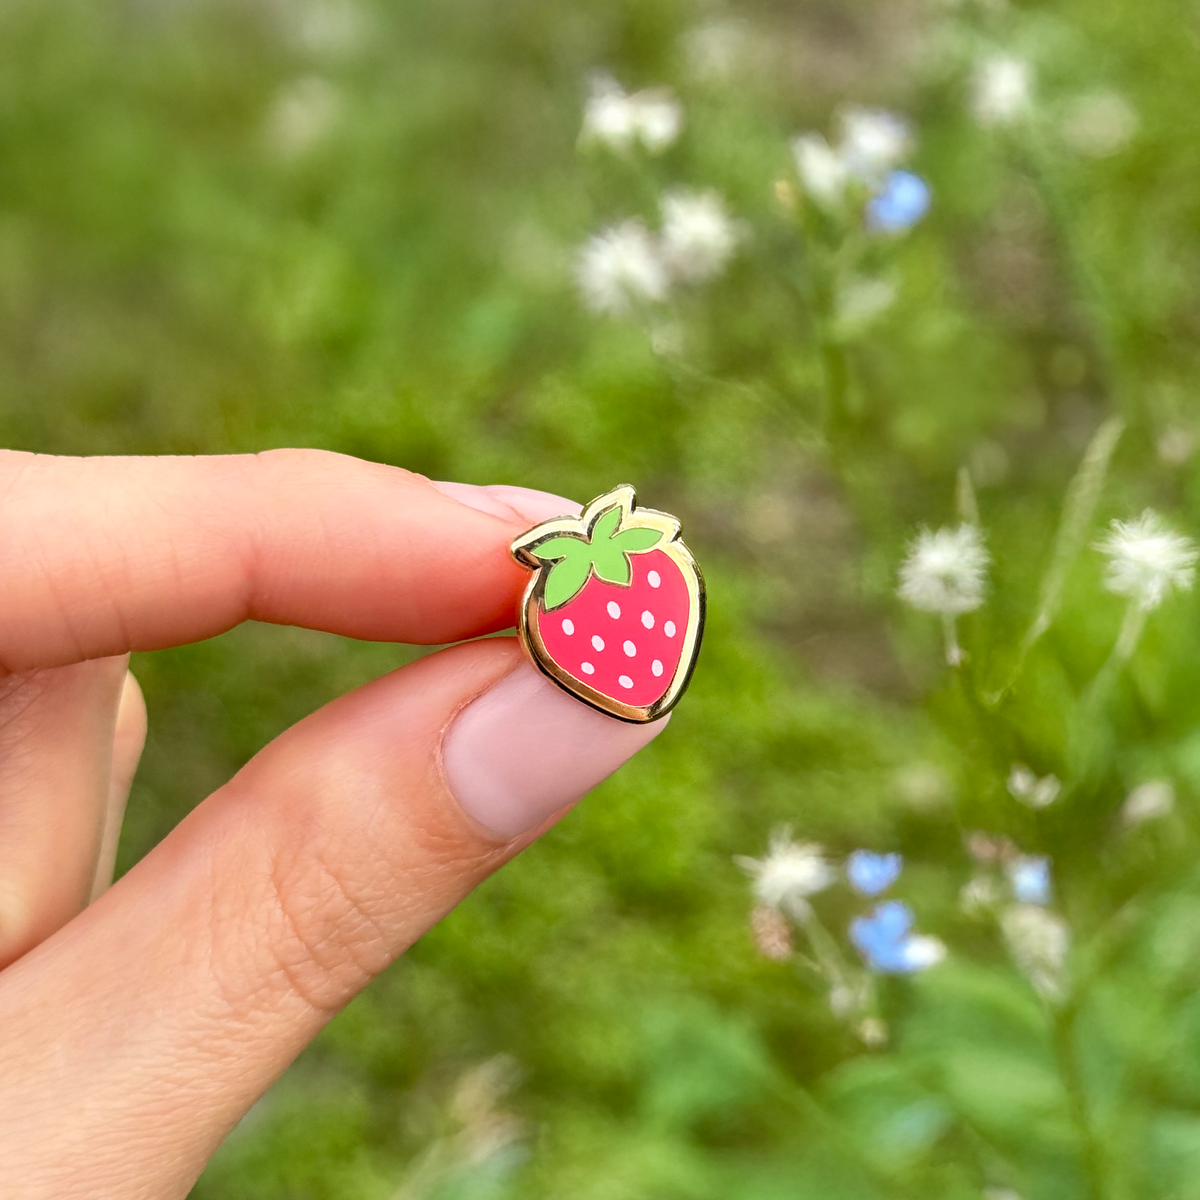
[626, 266]
[1034, 792]
[620, 120]
[871, 143]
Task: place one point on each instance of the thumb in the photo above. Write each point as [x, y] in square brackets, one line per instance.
[138, 1034]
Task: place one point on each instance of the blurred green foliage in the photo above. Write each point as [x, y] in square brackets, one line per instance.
[233, 224]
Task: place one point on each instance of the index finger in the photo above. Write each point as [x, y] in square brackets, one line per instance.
[99, 556]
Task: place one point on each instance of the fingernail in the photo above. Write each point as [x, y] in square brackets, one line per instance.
[502, 500]
[525, 749]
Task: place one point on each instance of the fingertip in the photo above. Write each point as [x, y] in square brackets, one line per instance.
[525, 750]
[505, 500]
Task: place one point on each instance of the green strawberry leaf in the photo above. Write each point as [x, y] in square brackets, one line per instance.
[631, 541]
[565, 579]
[611, 565]
[558, 547]
[606, 525]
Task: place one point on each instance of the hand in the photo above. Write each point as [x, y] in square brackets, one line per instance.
[138, 1029]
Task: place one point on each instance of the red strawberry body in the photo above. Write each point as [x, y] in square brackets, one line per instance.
[591, 636]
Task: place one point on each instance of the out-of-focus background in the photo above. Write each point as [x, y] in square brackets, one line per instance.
[815, 276]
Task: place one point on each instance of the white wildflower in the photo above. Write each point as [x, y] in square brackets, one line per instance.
[945, 571]
[859, 302]
[1038, 941]
[1148, 801]
[872, 1032]
[1099, 124]
[303, 114]
[790, 873]
[722, 49]
[621, 268]
[980, 895]
[848, 999]
[1030, 790]
[922, 951]
[619, 119]
[330, 27]
[873, 141]
[1175, 445]
[822, 170]
[1001, 90]
[922, 785]
[1146, 560]
[698, 234]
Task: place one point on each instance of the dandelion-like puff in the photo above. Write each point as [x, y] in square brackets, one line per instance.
[1147, 560]
[945, 572]
[620, 269]
[698, 234]
[790, 873]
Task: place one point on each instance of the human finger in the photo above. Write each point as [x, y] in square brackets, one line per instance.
[168, 1006]
[56, 755]
[129, 739]
[102, 556]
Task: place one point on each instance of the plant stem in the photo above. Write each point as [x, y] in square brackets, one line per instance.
[1066, 1053]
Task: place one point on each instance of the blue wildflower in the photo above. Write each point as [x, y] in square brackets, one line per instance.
[885, 940]
[901, 202]
[1030, 879]
[870, 873]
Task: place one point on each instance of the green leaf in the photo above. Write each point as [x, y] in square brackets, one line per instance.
[559, 547]
[606, 524]
[630, 541]
[612, 565]
[565, 578]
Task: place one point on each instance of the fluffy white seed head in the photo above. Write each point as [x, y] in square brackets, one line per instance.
[790, 873]
[621, 269]
[1001, 90]
[945, 571]
[620, 120]
[698, 234]
[1147, 560]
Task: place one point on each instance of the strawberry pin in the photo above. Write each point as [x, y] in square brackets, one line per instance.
[615, 610]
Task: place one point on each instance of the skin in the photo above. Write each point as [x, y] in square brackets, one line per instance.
[139, 1027]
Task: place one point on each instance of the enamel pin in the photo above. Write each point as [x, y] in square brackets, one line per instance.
[615, 610]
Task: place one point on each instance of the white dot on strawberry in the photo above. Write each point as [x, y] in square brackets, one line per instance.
[654, 579]
[568, 627]
[597, 642]
[625, 681]
[630, 649]
[669, 629]
[614, 610]
[648, 619]
[587, 668]
[656, 668]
